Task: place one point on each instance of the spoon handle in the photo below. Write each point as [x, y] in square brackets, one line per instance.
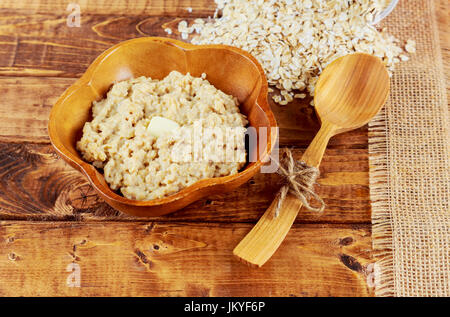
[266, 236]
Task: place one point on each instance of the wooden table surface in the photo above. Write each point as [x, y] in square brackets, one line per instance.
[50, 217]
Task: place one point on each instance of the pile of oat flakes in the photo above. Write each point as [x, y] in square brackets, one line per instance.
[295, 40]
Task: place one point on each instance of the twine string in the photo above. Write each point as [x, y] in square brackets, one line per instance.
[299, 180]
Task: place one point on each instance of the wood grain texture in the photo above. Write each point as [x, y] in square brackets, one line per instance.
[32, 99]
[103, 24]
[159, 259]
[130, 7]
[40, 57]
[43, 45]
[55, 191]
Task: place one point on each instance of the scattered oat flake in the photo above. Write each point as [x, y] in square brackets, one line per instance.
[168, 30]
[189, 9]
[295, 40]
[404, 58]
[182, 26]
[410, 46]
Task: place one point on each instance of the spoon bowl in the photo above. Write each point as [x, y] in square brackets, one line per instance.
[351, 91]
[348, 94]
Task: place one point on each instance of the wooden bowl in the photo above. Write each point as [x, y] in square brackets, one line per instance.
[229, 69]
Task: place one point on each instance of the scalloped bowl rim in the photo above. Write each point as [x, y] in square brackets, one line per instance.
[91, 173]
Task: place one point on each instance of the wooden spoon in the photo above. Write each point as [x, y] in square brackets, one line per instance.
[349, 93]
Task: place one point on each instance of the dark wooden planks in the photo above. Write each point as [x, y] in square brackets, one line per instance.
[121, 258]
[26, 103]
[44, 45]
[36, 184]
[160, 259]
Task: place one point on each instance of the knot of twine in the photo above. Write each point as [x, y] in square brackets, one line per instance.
[299, 180]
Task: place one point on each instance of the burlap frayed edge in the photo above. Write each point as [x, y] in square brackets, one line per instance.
[381, 216]
[383, 233]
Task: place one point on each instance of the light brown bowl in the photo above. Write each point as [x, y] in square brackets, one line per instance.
[229, 69]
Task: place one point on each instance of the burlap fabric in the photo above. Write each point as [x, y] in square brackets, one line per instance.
[409, 165]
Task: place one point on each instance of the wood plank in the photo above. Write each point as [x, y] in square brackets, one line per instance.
[36, 184]
[121, 258]
[31, 100]
[27, 123]
[159, 259]
[130, 7]
[43, 45]
[25, 107]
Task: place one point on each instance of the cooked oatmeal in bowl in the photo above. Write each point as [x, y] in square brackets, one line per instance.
[153, 138]
[231, 70]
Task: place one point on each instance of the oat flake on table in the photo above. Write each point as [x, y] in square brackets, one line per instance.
[295, 40]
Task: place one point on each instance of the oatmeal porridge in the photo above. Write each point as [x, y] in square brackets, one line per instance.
[153, 138]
